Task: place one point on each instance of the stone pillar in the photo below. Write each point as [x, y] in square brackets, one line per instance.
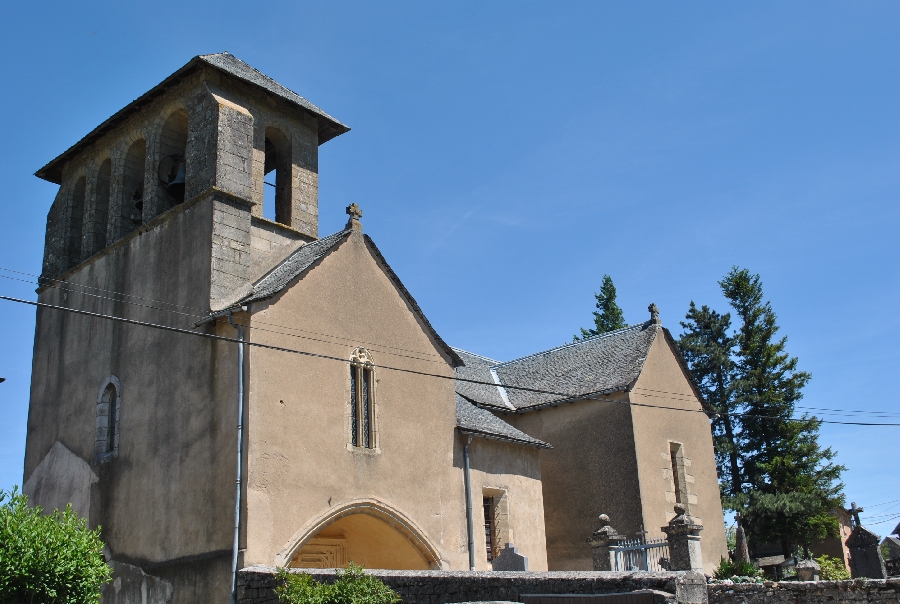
[683, 535]
[865, 555]
[690, 588]
[601, 541]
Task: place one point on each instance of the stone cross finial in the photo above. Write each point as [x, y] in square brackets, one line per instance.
[355, 214]
[854, 512]
[654, 314]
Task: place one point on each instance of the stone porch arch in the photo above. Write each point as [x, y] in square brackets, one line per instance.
[371, 509]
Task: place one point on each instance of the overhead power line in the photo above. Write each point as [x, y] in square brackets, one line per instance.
[563, 396]
[199, 314]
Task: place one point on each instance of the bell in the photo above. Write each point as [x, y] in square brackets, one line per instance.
[175, 188]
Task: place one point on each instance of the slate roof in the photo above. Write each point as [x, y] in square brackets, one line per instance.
[298, 262]
[225, 62]
[279, 277]
[480, 422]
[478, 369]
[602, 364]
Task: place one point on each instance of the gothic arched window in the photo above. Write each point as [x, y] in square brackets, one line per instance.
[109, 403]
[362, 399]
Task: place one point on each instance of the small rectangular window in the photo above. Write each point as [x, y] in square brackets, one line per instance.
[488, 503]
[678, 474]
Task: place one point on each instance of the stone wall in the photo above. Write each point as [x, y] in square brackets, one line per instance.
[255, 584]
[807, 592]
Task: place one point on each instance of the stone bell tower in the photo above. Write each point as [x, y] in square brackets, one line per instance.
[159, 221]
[216, 131]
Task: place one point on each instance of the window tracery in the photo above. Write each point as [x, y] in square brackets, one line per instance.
[362, 399]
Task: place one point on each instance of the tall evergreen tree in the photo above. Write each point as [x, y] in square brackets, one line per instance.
[771, 466]
[792, 481]
[608, 316]
[707, 347]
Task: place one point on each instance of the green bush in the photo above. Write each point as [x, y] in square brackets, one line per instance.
[52, 559]
[832, 569]
[352, 586]
[728, 569]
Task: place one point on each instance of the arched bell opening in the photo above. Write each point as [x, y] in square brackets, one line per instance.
[277, 179]
[173, 153]
[76, 222]
[101, 207]
[133, 186]
[367, 533]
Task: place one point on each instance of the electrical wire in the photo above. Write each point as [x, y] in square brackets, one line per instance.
[884, 413]
[563, 397]
[200, 314]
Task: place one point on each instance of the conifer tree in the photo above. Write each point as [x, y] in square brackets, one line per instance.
[792, 481]
[707, 347]
[608, 316]
[771, 466]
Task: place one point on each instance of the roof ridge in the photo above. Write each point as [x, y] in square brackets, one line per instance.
[578, 343]
[495, 361]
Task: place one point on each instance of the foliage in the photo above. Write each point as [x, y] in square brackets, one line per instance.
[832, 569]
[608, 316]
[728, 569]
[708, 348]
[48, 559]
[771, 466]
[885, 551]
[352, 586]
[731, 537]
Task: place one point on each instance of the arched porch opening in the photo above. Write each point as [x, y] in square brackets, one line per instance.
[367, 533]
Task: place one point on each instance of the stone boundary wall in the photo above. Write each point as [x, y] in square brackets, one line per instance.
[807, 592]
[255, 584]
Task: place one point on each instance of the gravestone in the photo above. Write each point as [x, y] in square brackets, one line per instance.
[865, 555]
[510, 559]
[741, 551]
[808, 570]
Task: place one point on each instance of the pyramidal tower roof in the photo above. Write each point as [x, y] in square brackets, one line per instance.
[224, 62]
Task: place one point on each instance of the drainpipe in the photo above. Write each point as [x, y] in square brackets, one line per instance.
[471, 526]
[240, 443]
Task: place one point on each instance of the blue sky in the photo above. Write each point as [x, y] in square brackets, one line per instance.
[508, 154]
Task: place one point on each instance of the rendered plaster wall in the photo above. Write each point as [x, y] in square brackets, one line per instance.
[168, 495]
[514, 471]
[663, 383]
[591, 470]
[300, 464]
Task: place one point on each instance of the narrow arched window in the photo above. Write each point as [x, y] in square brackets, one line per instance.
[172, 169]
[109, 403]
[362, 399]
[133, 186]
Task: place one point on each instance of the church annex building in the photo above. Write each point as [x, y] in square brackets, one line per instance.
[364, 436]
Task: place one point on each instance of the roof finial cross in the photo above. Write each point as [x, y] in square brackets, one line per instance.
[654, 314]
[355, 214]
[854, 512]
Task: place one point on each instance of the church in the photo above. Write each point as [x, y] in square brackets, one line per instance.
[218, 390]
